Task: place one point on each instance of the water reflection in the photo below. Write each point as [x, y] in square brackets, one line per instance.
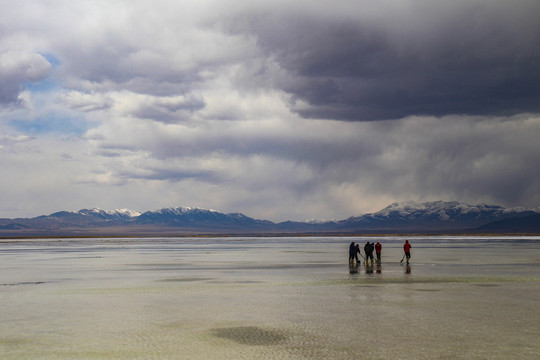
[369, 268]
[407, 269]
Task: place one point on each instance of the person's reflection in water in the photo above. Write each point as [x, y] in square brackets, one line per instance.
[407, 269]
[369, 268]
[353, 269]
[379, 268]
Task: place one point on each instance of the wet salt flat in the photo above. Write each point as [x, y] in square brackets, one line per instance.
[269, 298]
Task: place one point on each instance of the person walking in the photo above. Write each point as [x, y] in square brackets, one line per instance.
[407, 249]
[378, 249]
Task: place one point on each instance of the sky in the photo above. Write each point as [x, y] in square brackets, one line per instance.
[280, 110]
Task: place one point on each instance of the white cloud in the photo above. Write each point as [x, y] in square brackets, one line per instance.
[86, 102]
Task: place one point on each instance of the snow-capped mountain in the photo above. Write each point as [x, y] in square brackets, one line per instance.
[117, 214]
[80, 219]
[436, 216]
[433, 215]
[442, 210]
[188, 216]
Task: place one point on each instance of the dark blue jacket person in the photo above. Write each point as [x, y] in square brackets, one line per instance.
[352, 252]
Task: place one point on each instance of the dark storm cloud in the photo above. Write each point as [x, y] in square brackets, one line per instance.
[474, 57]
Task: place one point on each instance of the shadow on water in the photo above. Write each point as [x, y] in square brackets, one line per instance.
[24, 283]
[251, 335]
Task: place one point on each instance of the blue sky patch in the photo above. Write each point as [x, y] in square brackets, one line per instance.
[53, 60]
[51, 124]
[42, 86]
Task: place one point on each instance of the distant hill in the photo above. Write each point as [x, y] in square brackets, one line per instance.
[525, 224]
[407, 217]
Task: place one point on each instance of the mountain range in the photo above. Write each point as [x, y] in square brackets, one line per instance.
[406, 217]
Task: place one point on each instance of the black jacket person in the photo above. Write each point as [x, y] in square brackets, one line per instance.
[368, 249]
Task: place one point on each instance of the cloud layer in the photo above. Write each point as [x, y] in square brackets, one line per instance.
[280, 110]
[388, 60]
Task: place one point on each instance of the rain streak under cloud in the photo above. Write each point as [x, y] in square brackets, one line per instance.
[276, 109]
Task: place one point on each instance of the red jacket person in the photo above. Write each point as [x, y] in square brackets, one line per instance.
[407, 249]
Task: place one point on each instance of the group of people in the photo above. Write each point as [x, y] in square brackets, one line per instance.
[370, 248]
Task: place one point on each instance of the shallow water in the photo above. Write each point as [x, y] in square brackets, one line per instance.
[269, 298]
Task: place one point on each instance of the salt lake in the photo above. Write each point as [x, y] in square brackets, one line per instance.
[269, 298]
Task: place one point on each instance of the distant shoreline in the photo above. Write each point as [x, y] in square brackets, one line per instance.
[203, 235]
